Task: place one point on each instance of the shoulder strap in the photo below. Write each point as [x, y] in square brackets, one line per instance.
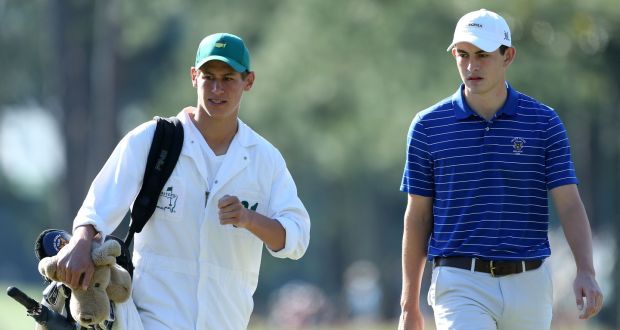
[163, 155]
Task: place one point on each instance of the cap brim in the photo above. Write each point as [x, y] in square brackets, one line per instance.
[233, 64]
[484, 44]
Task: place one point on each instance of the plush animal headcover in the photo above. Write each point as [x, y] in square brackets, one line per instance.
[110, 282]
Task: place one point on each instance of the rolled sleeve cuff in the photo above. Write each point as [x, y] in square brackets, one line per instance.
[79, 222]
[292, 245]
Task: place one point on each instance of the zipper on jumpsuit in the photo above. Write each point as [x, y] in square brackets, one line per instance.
[200, 318]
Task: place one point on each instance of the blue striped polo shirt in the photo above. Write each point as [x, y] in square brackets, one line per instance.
[488, 179]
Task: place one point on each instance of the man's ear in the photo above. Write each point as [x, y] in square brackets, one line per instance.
[249, 81]
[193, 72]
[509, 56]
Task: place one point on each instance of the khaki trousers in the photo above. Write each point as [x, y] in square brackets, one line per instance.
[466, 300]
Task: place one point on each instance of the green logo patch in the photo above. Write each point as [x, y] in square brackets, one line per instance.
[247, 205]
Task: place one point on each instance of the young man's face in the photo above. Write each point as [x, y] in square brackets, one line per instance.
[481, 72]
[219, 88]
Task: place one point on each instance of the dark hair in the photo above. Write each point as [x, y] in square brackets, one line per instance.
[502, 49]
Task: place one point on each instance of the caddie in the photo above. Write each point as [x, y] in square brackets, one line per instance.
[197, 259]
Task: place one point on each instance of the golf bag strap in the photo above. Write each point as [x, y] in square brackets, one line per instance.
[162, 158]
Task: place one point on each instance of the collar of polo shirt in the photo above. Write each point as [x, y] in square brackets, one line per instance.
[462, 109]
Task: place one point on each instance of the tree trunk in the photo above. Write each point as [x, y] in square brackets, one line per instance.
[72, 63]
[103, 114]
[85, 40]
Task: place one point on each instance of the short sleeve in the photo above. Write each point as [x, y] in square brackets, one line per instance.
[559, 167]
[418, 175]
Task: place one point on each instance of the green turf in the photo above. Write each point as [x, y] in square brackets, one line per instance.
[13, 315]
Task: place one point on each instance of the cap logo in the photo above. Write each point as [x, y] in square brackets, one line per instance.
[506, 36]
[478, 25]
[225, 47]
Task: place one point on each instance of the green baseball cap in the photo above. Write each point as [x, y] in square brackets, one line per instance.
[224, 47]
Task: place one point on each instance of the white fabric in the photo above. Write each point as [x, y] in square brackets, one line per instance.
[191, 272]
[212, 161]
[482, 28]
[127, 317]
[466, 300]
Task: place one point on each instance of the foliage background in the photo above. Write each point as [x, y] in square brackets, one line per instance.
[338, 83]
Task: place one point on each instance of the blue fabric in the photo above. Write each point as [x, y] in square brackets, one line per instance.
[488, 179]
[50, 242]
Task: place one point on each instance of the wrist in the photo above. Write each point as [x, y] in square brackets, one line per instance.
[85, 233]
[587, 271]
[409, 305]
[250, 223]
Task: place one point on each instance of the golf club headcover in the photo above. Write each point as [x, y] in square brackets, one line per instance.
[49, 242]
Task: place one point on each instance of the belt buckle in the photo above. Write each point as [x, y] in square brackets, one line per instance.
[492, 268]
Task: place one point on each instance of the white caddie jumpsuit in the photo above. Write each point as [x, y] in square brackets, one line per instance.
[191, 272]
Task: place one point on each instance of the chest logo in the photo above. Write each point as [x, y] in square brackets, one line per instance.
[247, 205]
[517, 145]
[168, 200]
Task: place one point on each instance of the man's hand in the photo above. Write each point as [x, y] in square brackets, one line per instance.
[232, 212]
[585, 287]
[268, 230]
[74, 265]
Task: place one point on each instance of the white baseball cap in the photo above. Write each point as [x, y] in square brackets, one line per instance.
[483, 29]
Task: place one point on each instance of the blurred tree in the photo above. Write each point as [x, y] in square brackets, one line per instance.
[72, 35]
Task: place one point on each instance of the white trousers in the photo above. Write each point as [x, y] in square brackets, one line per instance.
[466, 300]
[127, 317]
